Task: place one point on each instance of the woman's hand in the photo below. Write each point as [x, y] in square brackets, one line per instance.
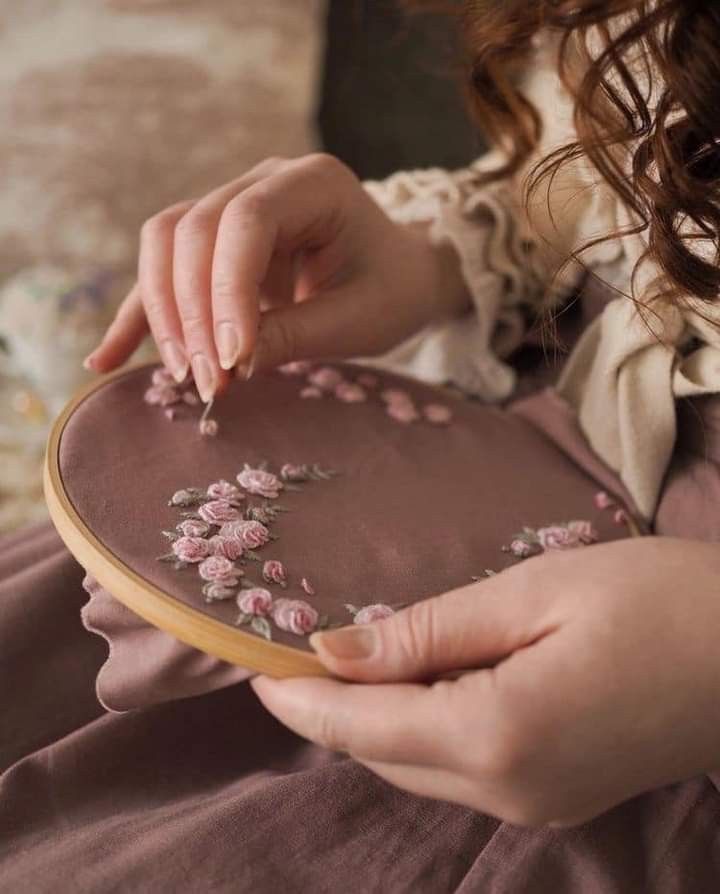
[597, 678]
[223, 282]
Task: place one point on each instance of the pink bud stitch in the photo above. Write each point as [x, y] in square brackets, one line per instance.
[603, 500]
[326, 378]
[368, 380]
[274, 573]
[438, 414]
[208, 428]
[401, 412]
[307, 587]
[310, 392]
[620, 517]
[296, 368]
[370, 613]
[350, 393]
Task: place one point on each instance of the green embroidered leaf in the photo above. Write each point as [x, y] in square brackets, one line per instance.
[250, 556]
[171, 535]
[353, 609]
[262, 627]
[242, 618]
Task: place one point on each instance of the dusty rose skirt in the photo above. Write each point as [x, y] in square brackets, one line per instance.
[210, 793]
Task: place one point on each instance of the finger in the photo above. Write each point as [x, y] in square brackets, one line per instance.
[155, 268]
[195, 238]
[409, 724]
[475, 626]
[123, 336]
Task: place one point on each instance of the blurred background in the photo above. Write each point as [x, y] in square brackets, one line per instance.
[110, 110]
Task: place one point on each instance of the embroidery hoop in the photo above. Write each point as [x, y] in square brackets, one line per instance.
[187, 624]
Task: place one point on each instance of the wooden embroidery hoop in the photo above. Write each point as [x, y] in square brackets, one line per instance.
[189, 625]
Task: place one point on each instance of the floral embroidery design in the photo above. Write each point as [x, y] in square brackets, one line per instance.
[221, 532]
[565, 535]
[325, 381]
[166, 393]
[369, 613]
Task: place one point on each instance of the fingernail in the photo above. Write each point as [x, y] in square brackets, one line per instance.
[204, 377]
[174, 359]
[88, 362]
[226, 339]
[349, 642]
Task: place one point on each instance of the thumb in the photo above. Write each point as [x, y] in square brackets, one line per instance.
[472, 627]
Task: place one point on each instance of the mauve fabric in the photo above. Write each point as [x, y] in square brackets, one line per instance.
[417, 509]
[211, 794]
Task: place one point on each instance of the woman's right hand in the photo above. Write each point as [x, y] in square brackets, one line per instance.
[291, 261]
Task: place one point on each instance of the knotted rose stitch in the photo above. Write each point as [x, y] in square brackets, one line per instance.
[295, 616]
[260, 482]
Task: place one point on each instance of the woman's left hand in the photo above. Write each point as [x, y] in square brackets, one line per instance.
[592, 675]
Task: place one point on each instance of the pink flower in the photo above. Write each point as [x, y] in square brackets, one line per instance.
[307, 587]
[274, 572]
[191, 549]
[251, 534]
[603, 500]
[584, 530]
[558, 537]
[368, 380]
[255, 601]
[620, 517]
[208, 428]
[395, 396]
[438, 414]
[218, 569]
[296, 368]
[227, 547]
[217, 512]
[402, 412]
[193, 527]
[350, 393]
[370, 613]
[190, 398]
[292, 472]
[258, 481]
[161, 395]
[170, 413]
[326, 378]
[218, 591]
[223, 490]
[310, 392]
[295, 616]
[521, 549]
[163, 377]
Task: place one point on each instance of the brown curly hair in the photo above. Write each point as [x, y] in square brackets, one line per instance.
[660, 155]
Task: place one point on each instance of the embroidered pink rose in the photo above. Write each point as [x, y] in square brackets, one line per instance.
[161, 395]
[162, 378]
[255, 601]
[296, 368]
[558, 537]
[402, 412]
[368, 380]
[274, 572]
[251, 534]
[218, 569]
[217, 512]
[193, 527]
[603, 500]
[370, 613]
[223, 490]
[521, 549]
[350, 393]
[438, 414]
[395, 396]
[260, 482]
[326, 378]
[208, 428]
[191, 549]
[310, 392]
[227, 547]
[584, 530]
[295, 616]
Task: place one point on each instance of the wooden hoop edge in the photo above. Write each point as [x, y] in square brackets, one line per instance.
[145, 599]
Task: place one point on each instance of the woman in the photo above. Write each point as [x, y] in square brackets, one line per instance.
[592, 677]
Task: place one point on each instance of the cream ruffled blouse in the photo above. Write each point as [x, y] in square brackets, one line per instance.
[621, 379]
